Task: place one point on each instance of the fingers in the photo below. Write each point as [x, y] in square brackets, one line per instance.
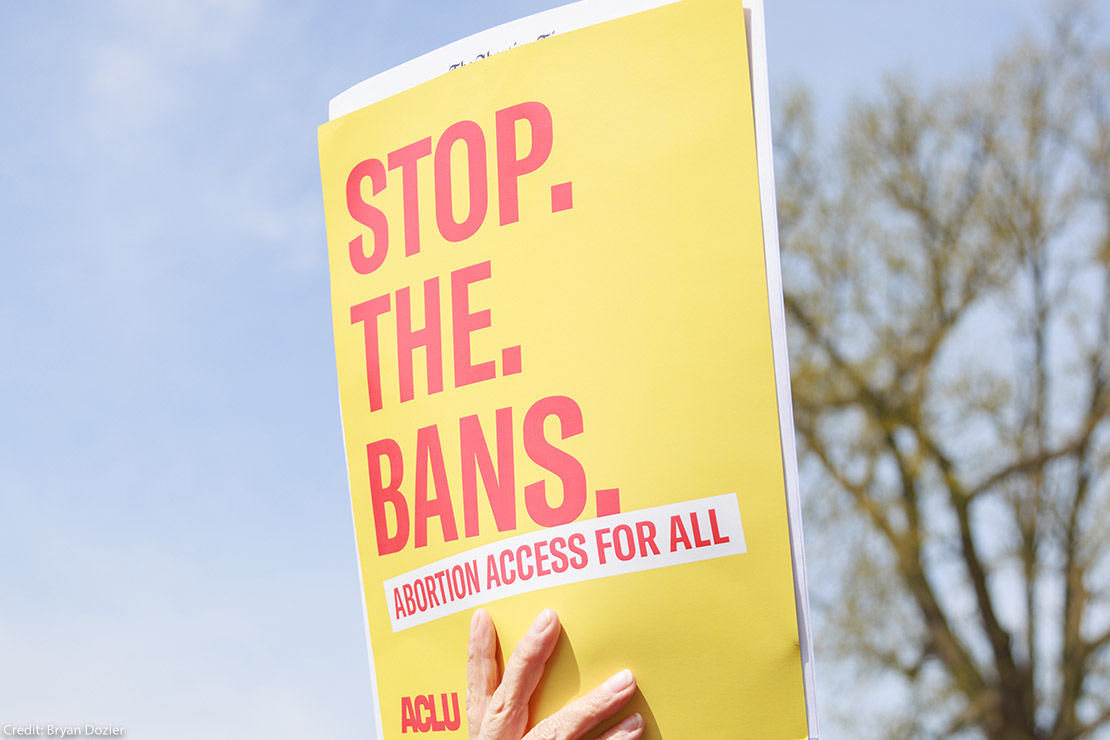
[500, 712]
[507, 710]
[582, 715]
[630, 728]
[481, 669]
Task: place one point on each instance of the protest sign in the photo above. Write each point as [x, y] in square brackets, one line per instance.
[562, 371]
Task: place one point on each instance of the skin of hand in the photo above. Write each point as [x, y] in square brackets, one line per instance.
[499, 710]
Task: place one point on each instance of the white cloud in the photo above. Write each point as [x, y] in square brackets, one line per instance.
[201, 28]
[128, 91]
[133, 76]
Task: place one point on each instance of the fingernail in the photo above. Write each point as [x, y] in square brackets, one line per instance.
[631, 723]
[542, 621]
[619, 681]
[474, 619]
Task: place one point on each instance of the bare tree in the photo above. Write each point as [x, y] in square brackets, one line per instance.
[947, 274]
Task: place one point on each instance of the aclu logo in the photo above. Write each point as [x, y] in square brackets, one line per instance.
[422, 714]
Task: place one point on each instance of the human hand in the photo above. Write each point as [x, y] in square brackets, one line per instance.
[499, 711]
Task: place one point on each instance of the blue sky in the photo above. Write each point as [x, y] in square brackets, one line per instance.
[176, 550]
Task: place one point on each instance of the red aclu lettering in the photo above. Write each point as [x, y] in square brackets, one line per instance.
[420, 714]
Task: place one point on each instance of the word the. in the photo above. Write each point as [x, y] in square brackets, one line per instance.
[464, 322]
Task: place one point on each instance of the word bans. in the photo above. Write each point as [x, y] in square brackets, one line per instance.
[431, 494]
[511, 165]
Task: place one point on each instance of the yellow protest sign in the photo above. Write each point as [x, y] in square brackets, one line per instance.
[557, 378]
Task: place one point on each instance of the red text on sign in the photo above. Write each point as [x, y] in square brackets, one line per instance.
[692, 537]
[625, 543]
[409, 338]
[411, 510]
[367, 251]
[419, 713]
